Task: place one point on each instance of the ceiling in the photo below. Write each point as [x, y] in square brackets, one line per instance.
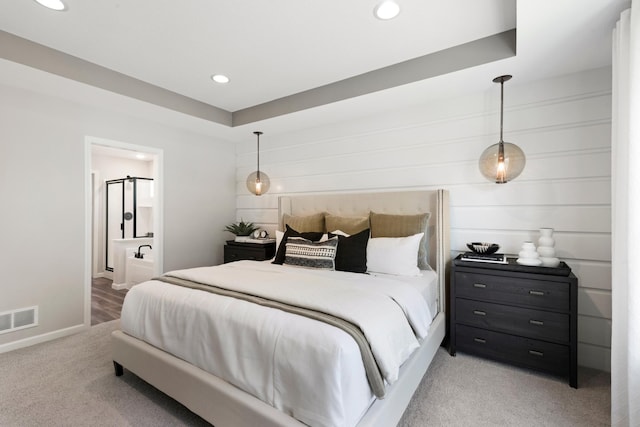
[275, 51]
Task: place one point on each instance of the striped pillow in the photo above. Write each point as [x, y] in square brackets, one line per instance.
[301, 252]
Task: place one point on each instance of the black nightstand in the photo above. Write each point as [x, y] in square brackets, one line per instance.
[236, 251]
[526, 316]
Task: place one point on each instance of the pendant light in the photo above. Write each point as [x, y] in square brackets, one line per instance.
[258, 182]
[503, 161]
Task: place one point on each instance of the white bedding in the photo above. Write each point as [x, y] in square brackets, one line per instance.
[303, 367]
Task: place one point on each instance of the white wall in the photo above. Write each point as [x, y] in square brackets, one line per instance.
[562, 124]
[42, 188]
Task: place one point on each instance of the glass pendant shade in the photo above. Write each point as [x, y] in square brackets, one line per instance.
[258, 182]
[501, 168]
[503, 161]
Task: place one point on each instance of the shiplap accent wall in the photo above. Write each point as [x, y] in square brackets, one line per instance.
[562, 124]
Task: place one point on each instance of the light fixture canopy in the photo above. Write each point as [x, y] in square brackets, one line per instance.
[503, 161]
[258, 182]
[220, 78]
[53, 4]
[387, 9]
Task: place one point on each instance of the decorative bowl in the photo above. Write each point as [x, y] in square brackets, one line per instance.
[483, 248]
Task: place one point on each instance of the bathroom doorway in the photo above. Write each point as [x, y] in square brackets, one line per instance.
[125, 182]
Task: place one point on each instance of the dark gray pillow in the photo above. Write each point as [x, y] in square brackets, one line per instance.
[352, 252]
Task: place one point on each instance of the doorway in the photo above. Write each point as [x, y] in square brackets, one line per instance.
[130, 168]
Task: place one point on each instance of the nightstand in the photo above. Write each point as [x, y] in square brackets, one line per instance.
[236, 251]
[525, 316]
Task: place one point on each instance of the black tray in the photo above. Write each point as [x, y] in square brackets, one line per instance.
[561, 270]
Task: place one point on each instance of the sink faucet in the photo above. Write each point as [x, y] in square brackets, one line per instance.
[141, 255]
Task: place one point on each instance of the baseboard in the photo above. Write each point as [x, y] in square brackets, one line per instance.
[27, 342]
[119, 286]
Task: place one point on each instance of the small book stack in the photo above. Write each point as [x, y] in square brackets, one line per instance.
[492, 258]
[262, 241]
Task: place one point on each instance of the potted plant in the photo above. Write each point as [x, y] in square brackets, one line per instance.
[242, 230]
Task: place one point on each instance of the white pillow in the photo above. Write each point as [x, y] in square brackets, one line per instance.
[340, 233]
[394, 255]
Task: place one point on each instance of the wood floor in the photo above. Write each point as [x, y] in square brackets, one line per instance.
[106, 303]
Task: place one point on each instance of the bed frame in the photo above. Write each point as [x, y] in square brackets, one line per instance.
[224, 405]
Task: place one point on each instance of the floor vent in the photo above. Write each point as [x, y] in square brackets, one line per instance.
[18, 319]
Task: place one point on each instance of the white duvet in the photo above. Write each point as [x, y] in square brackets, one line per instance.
[303, 367]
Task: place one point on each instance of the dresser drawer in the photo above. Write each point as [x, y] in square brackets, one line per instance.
[532, 293]
[520, 321]
[231, 255]
[553, 358]
[247, 251]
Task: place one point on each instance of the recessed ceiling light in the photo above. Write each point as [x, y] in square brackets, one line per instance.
[52, 4]
[387, 9]
[220, 78]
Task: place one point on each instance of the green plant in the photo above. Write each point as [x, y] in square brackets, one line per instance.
[241, 228]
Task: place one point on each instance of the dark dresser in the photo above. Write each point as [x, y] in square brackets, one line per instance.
[525, 316]
[236, 251]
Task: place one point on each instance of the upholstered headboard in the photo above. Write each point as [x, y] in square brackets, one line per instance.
[401, 203]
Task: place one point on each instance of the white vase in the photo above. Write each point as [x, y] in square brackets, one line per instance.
[547, 251]
[546, 248]
[549, 262]
[546, 232]
[528, 255]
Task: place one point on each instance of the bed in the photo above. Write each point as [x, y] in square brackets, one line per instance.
[158, 359]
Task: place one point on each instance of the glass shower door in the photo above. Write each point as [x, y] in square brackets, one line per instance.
[129, 212]
[114, 219]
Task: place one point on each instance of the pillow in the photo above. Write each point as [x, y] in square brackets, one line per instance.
[350, 225]
[290, 232]
[352, 252]
[302, 252]
[307, 223]
[384, 225]
[394, 255]
[279, 235]
[325, 236]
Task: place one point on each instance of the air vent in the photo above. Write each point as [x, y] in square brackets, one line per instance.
[18, 319]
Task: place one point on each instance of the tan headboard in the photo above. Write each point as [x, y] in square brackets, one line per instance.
[404, 203]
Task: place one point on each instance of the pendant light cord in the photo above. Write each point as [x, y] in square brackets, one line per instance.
[258, 145]
[501, 106]
[501, 80]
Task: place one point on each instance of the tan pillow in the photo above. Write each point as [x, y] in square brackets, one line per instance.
[349, 224]
[385, 225]
[304, 224]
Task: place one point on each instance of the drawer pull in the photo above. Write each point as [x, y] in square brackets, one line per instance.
[480, 340]
[536, 353]
[479, 285]
[479, 313]
[536, 293]
[536, 322]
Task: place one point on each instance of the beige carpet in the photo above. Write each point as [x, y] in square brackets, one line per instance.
[70, 382]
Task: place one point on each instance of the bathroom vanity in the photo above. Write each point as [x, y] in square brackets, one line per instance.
[123, 249]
